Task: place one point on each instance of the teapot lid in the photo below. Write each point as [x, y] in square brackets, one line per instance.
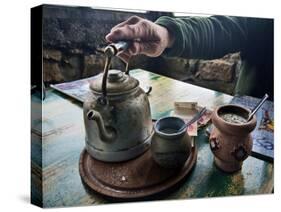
[117, 83]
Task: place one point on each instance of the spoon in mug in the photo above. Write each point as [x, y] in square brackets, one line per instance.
[257, 107]
[195, 118]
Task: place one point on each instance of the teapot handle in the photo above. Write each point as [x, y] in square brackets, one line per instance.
[102, 100]
[127, 68]
[110, 51]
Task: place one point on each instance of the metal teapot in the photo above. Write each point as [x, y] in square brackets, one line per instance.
[117, 118]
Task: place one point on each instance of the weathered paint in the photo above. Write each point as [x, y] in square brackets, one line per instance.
[63, 141]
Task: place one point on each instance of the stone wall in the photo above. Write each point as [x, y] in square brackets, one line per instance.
[73, 37]
[219, 74]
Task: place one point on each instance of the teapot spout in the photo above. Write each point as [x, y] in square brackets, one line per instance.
[106, 135]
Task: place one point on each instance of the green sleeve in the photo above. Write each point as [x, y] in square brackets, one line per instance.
[205, 38]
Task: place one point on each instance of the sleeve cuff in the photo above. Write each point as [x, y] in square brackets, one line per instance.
[173, 27]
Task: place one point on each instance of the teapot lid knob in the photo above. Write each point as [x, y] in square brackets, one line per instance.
[115, 75]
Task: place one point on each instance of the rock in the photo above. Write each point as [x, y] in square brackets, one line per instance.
[71, 67]
[177, 68]
[232, 57]
[76, 51]
[51, 72]
[177, 64]
[216, 70]
[52, 54]
[93, 65]
[141, 61]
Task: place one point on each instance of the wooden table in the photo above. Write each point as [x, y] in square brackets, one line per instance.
[60, 139]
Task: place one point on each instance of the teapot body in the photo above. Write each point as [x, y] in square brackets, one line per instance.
[121, 128]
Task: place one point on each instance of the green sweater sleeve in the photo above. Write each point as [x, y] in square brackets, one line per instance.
[205, 38]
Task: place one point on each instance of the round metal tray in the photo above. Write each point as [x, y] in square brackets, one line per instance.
[137, 178]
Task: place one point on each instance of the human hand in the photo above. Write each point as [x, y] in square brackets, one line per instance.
[146, 37]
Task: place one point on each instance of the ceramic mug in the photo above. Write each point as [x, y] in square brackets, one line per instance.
[230, 139]
[170, 145]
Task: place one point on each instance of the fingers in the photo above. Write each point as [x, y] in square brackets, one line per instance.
[131, 20]
[132, 29]
[124, 56]
[146, 48]
[136, 48]
[145, 36]
[126, 32]
[117, 34]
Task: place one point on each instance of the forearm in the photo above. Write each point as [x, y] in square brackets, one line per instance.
[205, 38]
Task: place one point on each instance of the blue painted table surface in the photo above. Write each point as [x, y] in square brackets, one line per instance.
[58, 139]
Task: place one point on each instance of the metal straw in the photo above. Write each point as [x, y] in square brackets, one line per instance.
[257, 107]
[195, 118]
